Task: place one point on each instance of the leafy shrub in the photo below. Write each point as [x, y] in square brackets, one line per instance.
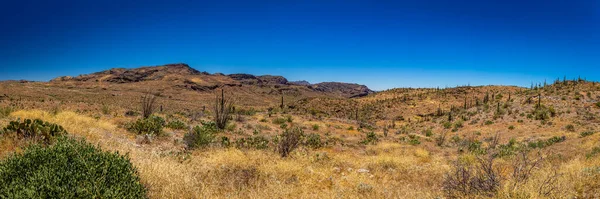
[256, 142]
[225, 142]
[458, 124]
[546, 143]
[428, 133]
[510, 148]
[414, 141]
[36, 129]
[447, 125]
[371, 138]
[200, 136]
[152, 125]
[313, 140]
[586, 133]
[176, 124]
[289, 141]
[544, 113]
[315, 127]
[570, 128]
[69, 168]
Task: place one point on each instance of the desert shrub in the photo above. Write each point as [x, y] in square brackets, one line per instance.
[473, 146]
[313, 140]
[69, 168]
[488, 122]
[351, 128]
[315, 127]
[586, 133]
[289, 141]
[131, 113]
[428, 132]
[5, 111]
[289, 119]
[248, 112]
[256, 142]
[509, 149]
[105, 109]
[546, 143]
[200, 136]
[152, 125]
[458, 124]
[230, 127]
[176, 124]
[467, 179]
[441, 139]
[595, 151]
[511, 127]
[447, 125]
[225, 142]
[283, 126]
[570, 128]
[35, 129]
[414, 141]
[371, 138]
[598, 104]
[543, 113]
[279, 120]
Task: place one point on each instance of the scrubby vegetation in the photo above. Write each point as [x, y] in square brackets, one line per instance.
[34, 129]
[69, 168]
[152, 125]
[201, 136]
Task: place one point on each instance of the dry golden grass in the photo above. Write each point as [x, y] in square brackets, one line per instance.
[394, 170]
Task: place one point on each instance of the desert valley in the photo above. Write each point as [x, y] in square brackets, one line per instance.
[173, 131]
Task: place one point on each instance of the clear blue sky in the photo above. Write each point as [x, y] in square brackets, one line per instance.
[382, 44]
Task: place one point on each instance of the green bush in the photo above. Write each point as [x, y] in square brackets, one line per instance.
[414, 141]
[152, 125]
[313, 140]
[371, 138]
[447, 125]
[201, 136]
[256, 142]
[570, 127]
[511, 127]
[315, 127]
[598, 104]
[586, 133]
[488, 122]
[428, 133]
[176, 124]
[69, 168]
[36, 129]
[546, 143]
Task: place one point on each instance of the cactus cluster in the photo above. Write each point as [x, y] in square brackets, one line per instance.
[35, 129]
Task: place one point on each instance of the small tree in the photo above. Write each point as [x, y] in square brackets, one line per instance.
[223, 110]
[148, 105]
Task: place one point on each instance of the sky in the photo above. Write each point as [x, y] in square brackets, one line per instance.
[382, 44]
